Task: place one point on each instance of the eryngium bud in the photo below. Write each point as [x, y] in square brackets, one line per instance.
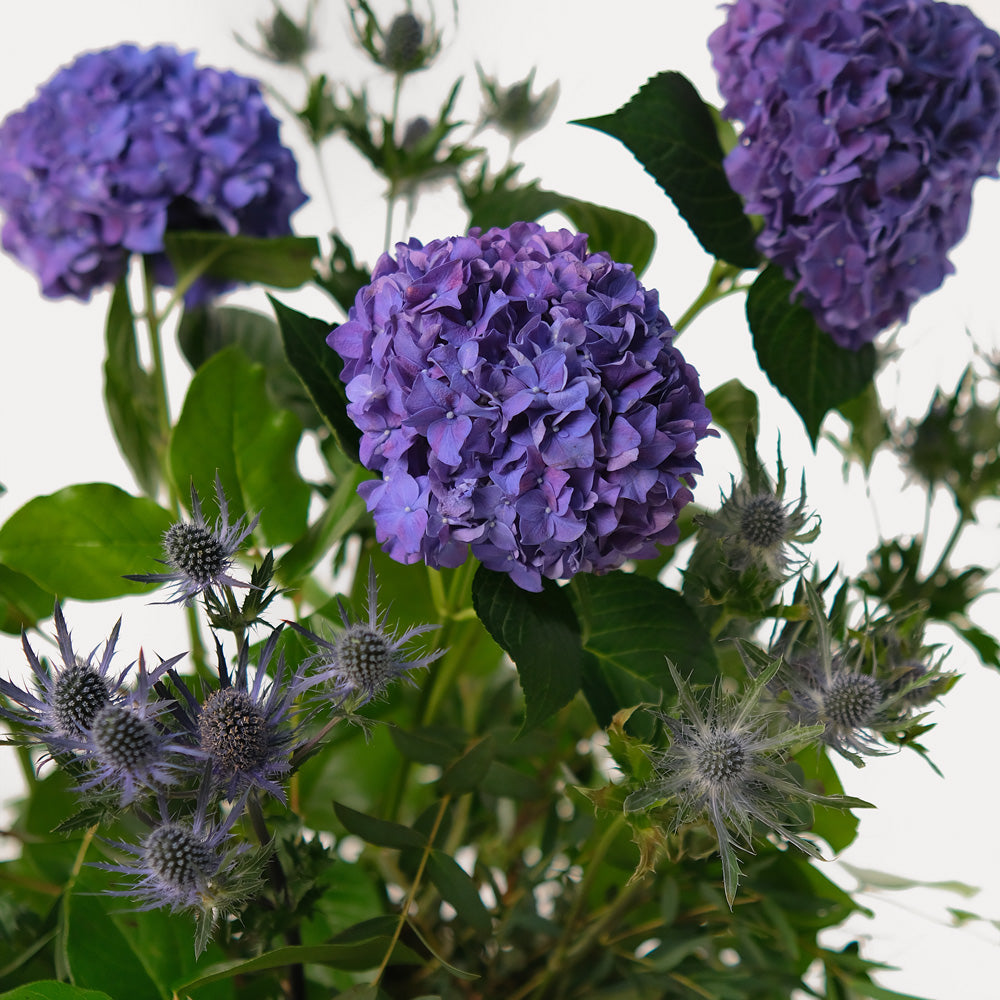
[196, 551]
[852, 699]
[179, 858]
[233, 730]
[366, 658]
[763, 521]
[80, 693]
[403, 40]
[123, 739]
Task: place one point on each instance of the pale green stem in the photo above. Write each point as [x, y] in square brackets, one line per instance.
[721, 282]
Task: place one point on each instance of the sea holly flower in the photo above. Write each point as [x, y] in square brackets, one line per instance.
[522, 397]
[190, 864]
[200, 556]
[757, 528]
[244, 727]
[125, 144]
[727, 764]
[865, 126]
[127, 746]
[362, 661]
[514, 109]
[69, 696]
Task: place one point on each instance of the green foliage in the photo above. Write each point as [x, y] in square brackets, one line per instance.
[670, 130]
[803, 363]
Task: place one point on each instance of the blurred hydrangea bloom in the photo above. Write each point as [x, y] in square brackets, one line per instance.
[200, 556]
[67, 697]
[522, 396]
[865, 126]
[124, 144]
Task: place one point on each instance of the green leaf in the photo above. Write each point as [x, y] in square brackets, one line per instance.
[671, 132]
[319, 367]
[52, 990]
[632, 625]
[838, 827]
[23, 604]
[459, 889]
[282, 261]
[80, 541]
[228, 425]
[130, 395]
[869, 429]
[207, 330]
[803, 362]
[541, 635]
[466, 773]
[734, 408]
[872, 879]
[379, 832]
[91, 937]
[429, 745]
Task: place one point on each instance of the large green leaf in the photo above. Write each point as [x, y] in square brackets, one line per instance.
[81, 541]
[541, 635]
[230, 426]
[283, 261]
[671, 132]
[631, 626]
[22, 602]
[50, 989]
[803, 362]
[209, 329]
[319, 367]
[130, 395]
[625, 237]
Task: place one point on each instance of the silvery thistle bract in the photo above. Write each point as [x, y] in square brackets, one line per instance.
[864, 127]
[522, 397]
[125, 144]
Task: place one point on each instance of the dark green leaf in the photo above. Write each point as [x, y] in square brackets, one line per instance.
[130, 395]
[229, 425]
[465, 774]
[670, 130]
[282, 261]
[734, 409]
[91, 937]
[23, 604]
[429, 745]
[803, 363]
[632, 625]
[540, 634]
[209, 329]
[379, 832]
[459, 889]
[80, 541]
[624, 237]
[319, 367]
[838, 827]
[52, 990]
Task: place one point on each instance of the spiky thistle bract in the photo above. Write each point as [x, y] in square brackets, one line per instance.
[726, 764]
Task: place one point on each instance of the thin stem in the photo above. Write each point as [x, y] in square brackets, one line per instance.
[153, 322]
[408, 902]
[721, 282]
[391, 196]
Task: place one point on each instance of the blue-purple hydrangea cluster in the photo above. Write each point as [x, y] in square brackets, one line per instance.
[124, 144]
[865, 125]
[520, 396]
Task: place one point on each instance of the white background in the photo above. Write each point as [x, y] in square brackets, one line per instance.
[54, 431]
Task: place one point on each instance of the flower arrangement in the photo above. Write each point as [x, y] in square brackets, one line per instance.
[475, 688]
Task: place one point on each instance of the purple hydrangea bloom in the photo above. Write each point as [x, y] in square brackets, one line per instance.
[124, 144]
[521, 396]
[865, 126]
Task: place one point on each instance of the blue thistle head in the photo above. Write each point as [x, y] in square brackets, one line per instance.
[200, 556]
[68, 696]
[366, 657]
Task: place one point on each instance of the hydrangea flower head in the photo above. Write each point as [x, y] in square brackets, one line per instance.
[521, 396]
[865, 126]
[200, 556]
[68, 697]
[124, 144]
[726, 764]
[366, 657]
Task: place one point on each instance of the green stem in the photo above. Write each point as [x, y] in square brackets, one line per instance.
[948, 545]
[442, 806]
[721, 282]
[390, 142]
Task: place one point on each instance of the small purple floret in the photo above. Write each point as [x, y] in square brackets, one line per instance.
[521, 396]
[124, 144]
[865, 126]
